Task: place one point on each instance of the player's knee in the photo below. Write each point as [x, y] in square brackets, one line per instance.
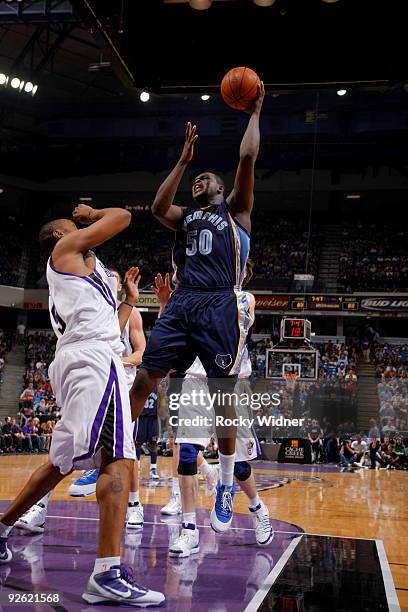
[138, 445]
[242, 470]
[188, 459]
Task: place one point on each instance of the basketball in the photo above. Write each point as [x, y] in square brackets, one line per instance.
[239, 87]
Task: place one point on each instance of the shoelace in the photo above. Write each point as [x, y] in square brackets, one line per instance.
[263, 519]
[224, 505]
[87, 474]
[127, 575]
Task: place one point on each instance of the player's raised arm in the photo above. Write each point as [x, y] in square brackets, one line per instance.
[241, 198]
[163, 208]
[137, 339]
[103, 224]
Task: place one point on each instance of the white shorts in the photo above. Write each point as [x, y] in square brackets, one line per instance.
[90, 386]
[247, 445]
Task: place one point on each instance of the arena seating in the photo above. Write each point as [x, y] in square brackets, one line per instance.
[391, 364]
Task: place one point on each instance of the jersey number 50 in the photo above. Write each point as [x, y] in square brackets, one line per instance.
[204, 242]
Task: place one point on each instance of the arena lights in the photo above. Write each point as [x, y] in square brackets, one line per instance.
[205, 97]
[18, 84]
[341, 92]
[353, 196]
[145, 96]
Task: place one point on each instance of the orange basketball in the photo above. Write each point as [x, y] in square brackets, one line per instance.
[239, 87]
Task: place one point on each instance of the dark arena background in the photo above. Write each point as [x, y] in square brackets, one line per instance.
[94, 101]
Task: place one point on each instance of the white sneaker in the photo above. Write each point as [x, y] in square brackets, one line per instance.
[134, 516]
[174, 505]
[262, 524]
[153, 474]
[33, 520]
[211, 480]
[186, 544]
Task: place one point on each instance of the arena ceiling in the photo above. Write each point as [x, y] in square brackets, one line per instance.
[91, 58]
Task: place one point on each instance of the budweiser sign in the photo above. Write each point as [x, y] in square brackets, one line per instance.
[271, 302]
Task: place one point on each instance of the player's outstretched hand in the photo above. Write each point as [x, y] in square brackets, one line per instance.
[83, 214]
[162, 288]
[131, 285]
[257, 105]
[188, 149]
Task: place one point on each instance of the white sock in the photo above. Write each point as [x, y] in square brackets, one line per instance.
[153, 465]
[104, 563]
[227, 469]
[254, 501]
[175, 486]
[205, 468]
[44, 500]
[5, 530]
[189, 518]
[133, 497]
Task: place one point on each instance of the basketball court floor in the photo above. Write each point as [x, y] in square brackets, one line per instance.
[341, 543]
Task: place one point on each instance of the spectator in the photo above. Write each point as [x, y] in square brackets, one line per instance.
[347, 454]
[374, 450]
[359, 447]
[30, 431]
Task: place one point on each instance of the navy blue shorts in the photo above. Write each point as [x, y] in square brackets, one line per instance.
[147, 429]
[211, 325]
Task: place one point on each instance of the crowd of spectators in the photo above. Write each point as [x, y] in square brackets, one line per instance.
[5, 345]
[391, 367]
[374, 256]
[10, 251]
[279, 248]
[32, 430]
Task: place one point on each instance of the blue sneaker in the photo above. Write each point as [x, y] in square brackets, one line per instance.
[85, 484]
[5, 552]
[117, 584]
[221, 514]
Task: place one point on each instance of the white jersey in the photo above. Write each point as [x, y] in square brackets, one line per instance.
[83, 308]
[130, 371]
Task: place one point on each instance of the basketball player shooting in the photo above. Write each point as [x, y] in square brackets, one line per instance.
[89, 382]
[208, 314]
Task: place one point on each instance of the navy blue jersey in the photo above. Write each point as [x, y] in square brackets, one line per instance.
[150, 407]
[215, 247]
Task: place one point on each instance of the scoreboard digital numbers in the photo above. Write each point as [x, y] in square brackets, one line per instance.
[325, 302]
[295, 329]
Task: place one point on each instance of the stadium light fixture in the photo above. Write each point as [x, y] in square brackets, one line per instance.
[341, 92]
[205, 97]
[145, 96]
[17, 84]
[353, 196]
[86, 199]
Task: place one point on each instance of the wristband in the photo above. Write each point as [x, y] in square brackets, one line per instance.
[129, 304]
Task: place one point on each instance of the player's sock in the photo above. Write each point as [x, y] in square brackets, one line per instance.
[189, 520]
[104, 563]
[134, 497]
[205, 468]
[138, 454]
[43, 502]
[227, 469]
[254, 501]
[153, 459]
[5, 530]
[175, 486]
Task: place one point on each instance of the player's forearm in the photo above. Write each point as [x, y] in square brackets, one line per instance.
[124, 312]
[167, 190]
[135, 358]
[249, 148]
[118, 215]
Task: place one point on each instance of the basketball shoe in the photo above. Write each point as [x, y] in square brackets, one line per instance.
[262, 524]
[33, 520]
[134, 516]
[117, 584]
[186, 544]
[173, 507]
[153, 474]
[5, 552]
[85, 484]
[221, 514]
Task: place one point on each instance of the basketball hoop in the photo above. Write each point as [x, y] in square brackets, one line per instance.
[291, 378]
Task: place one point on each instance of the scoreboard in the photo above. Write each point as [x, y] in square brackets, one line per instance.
[325, 302]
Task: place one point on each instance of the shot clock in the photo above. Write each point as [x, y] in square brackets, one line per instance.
[295, 329]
